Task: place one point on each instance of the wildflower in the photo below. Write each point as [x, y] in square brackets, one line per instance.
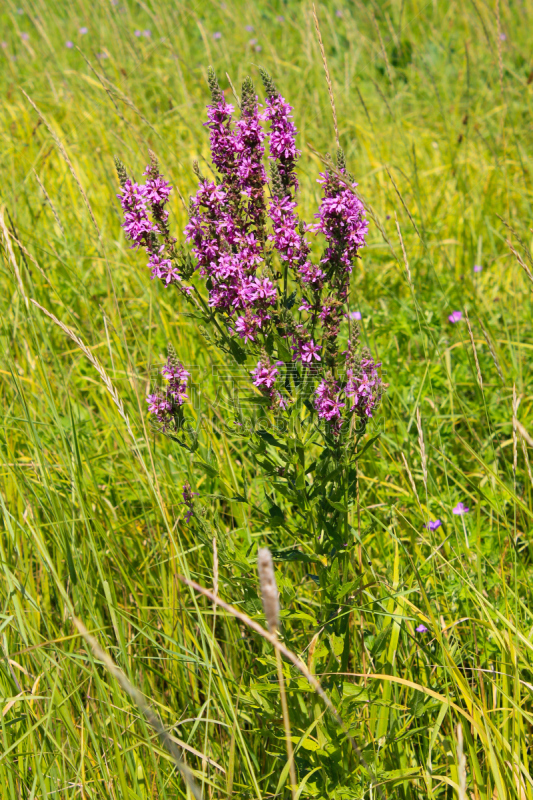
[433, 524]
[69, 44]
[217, 35]
[137, 33]
[455, 316]
[421, 629]
[460, 509]
[176, 376]
[188, 501]
[25, 36]
[147, 33]
[258, 48]
[338, 13]
[309, 351]
[84, 30]
[327, 402]
[264, 375]
[364, 387]
[355, 315]
[249, 28]
[503, 37]
[477, 268]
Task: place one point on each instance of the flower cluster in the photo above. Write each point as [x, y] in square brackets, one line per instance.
[264, 377]
[265, 288]
[364, 387]
[146, 219]
[165, 405]
[327, 402]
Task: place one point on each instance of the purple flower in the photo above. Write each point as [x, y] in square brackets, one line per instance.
[249, 28]
[460, 509]
[503, 37]
[264, 375]
[84, 30]
[280, 18]
[455, 316]
[433, 524]
[421, 629]
[477, 267]
[309, 351]
[338, 13]
[137, 33]
[217, 35]
[147, 33]
[69, 44]
[364, 387]
[258, 48]
[327, 403]
[355, 315]
[25, 36]
[188, 500]
[101, 55]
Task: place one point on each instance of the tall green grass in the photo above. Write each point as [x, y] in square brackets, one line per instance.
[434, 108]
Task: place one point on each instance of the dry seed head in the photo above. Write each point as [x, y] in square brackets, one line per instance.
[461, 764]
[269, 590]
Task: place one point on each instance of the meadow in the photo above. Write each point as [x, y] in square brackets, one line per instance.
[428, 659]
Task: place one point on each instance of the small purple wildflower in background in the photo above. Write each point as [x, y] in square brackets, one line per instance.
[69, 44]
[477, 267]
[338, 12]
[280, 18]
[421, 629]
[101, 55]
[460, 509]
[4, 45]
[258, 48]
[147, 33]
[137, 33]
[217, 35]
[84, 30]
[433, 524]
[503, 37]
[355, 315]
[252, 42]
[455, 316]
[25, 36]
[249, 28]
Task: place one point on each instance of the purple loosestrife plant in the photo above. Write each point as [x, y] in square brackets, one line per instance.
[273, 294]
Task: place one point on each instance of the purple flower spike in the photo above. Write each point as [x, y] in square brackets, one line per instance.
[433, 524]
[477, 267]
[455, 316]
[355, 315]
[421, 629]
[460, 509]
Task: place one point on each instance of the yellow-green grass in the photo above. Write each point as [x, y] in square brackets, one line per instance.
[434, 108]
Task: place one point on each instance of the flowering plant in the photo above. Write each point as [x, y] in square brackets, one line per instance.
[269, 302]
